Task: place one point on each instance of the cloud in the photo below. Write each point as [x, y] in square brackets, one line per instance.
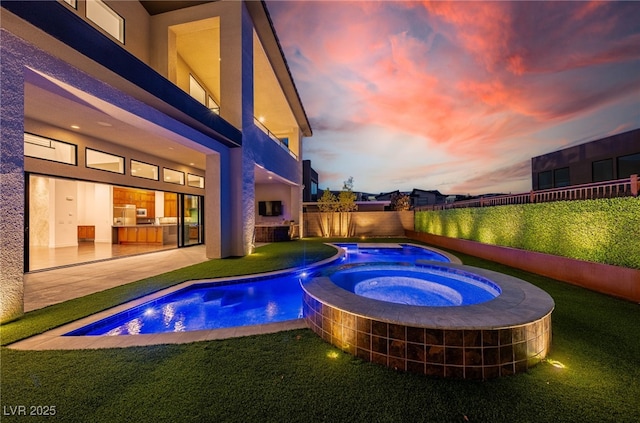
[426, 93]
[501, 180]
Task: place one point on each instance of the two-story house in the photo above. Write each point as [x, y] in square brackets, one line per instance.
[162, 124]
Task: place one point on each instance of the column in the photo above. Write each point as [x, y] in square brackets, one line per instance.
[12, 195]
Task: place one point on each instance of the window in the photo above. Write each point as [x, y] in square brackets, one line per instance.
[628, 165]
[561, 177]
[195, 181]
[106, 18]
[213, 106]
[48, 149]
[71, 3]
[196, 91]
[173, 176]
[544, 180]
[602, 170]
[104, 161]
[144, 170]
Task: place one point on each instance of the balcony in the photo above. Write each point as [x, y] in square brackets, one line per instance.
[282, 142]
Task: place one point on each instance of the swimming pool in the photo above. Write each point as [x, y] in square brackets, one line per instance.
[241, 301]
[208, 306]
[501, 336]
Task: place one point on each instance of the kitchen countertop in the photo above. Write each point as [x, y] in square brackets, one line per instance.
[147, 225]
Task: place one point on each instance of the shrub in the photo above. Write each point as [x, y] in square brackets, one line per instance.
[604, 230]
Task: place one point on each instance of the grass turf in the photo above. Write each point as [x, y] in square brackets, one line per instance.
[294, 376]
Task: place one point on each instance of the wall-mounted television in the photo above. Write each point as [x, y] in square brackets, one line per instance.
[270, 208]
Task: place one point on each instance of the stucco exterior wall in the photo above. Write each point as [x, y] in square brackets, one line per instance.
[11, 178]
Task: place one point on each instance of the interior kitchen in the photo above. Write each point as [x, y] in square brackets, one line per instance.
[73, 221]
[135, 220]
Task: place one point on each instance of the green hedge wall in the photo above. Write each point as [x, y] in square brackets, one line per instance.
[603, 231]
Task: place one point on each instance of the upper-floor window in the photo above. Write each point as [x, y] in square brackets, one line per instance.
[561, 177]
[49, 149]
[545, 180]
[106, 18]
[213, 106]
[602, 170]
[196, 91]
[628, 165]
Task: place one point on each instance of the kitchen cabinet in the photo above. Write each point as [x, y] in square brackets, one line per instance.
[141, 234]
[142, 199]
[128, 234]
[86, 233]
[170, 204]
[152, 234]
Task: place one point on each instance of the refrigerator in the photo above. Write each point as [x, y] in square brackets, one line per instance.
[124, 215]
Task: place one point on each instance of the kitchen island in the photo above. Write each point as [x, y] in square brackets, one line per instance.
[145, 234]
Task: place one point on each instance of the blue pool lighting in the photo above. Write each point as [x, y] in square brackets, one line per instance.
[241, 302]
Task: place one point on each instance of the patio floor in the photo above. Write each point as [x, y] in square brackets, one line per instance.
[54, 286]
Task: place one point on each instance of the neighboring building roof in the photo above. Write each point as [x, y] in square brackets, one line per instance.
[598, 145]
[416, 192]
[387, 195]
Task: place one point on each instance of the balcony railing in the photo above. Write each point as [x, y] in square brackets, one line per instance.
[628, 187]
[277, 140]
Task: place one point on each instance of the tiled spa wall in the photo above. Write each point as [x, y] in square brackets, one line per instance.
[454, 353]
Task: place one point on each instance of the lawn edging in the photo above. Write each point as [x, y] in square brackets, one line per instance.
[621, 282]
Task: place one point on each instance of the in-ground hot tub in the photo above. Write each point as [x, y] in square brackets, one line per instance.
[415, 285]
[492, 337]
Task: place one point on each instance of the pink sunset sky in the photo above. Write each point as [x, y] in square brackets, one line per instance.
[457, 96]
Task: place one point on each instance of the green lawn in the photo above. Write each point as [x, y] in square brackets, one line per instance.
[292, 376]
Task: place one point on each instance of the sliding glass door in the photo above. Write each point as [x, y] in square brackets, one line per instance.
[191, 220]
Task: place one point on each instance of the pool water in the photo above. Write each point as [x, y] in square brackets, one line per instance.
[216, 305]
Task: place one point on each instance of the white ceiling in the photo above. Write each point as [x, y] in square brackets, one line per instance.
[62, 111]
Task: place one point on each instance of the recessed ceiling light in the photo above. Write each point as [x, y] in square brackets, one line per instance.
[191, 164]
[75, 127]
